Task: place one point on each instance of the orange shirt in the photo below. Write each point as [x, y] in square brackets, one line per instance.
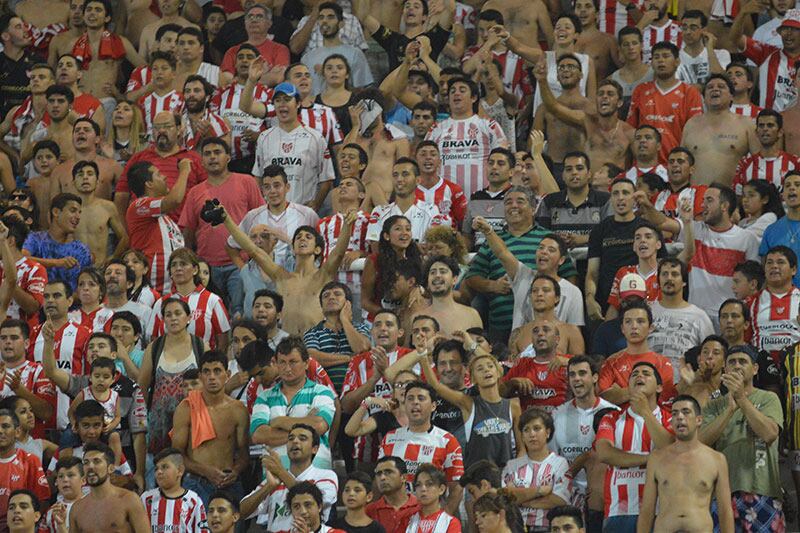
[617, 369]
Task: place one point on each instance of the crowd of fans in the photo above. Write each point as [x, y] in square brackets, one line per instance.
[399, 266]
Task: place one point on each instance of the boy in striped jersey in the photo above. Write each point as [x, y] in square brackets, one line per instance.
[170, 506]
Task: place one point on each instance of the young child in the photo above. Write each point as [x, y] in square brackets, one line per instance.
[41, 448]
[539, 476]
[46, 156]
[305, 503]
[69, 482]
[430, 485]
[101, 377]
[357, 493]
[603, 176]
[647, 241]
[170, 506]
[191, 381]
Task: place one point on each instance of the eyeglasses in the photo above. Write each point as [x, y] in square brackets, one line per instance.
[18, 197]
[255, 16]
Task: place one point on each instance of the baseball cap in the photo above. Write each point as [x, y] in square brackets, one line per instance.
[791, 19]
[286, 88]
[632, 284]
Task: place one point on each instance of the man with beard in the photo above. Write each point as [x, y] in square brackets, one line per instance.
[217, 457]
[452, 316]
[97, 215]
[164, 155]
[63, 42]
[563, 136]
[200, 123]
[106, 507]
[703, 380]
[266, 311]
[69, 74]
[119, 280]
[718, 138]
[771, 163]
[683, 477]
[268, 500]
[86, 138]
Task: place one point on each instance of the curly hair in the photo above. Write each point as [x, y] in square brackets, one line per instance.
[447, 235]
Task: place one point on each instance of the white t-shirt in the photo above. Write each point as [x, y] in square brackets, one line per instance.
[768, 33]
[677, 330]
[569, 308]
[696, 70]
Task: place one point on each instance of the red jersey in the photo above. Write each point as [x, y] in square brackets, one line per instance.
[617, 369]
[747, 110]
[32, 378]
[448, 197]
[757, 167]
[650, 279]
[226, 103]
[438, 522]
[393, 520]
[156, 235]
[152, 104]
[550, 387]
[209, 317]
[21, 471]
[435, 446]
[184, 514]
[331, 227]
[668, 112]
[668, 202]
[218, 128]
[776, 74]
[624, 487]
[140, 77]
[31, 278]
[85, 105]
[773, 318]
[652, 34]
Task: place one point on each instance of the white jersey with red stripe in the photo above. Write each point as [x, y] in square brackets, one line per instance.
[49, 525]
[773, 320]
[226, 104]
[209, 317]
[716, 255]
[31, 278]
[23, 116]
[448, 197]
[776, 72]
[612, 16]
[652, 34]
[302, 153]
[33, 378]
[318, 116]
[635, 171]
[110, 404]
[69, 348]
[273, 512]
[435, 446]
[421, 215]
[147, 297]
[466, 16]
[465, 145]
[94, 321]
[524, 472]
[669, 201]
[624, 487]
[331, 227]
[152, 104]
[184, 514]
[438, 522]
[724, 10]
[758, 167]
[156, 245]
[747, 110]
[216, 124]
[140, 77]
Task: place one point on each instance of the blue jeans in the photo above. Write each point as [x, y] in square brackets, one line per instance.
[205, 489]
[620, 524]
[229, 283]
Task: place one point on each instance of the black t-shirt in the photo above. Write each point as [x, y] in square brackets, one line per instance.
[341, 523]
[385, 422]
[14, 81]
[612, 242]
[395, 43]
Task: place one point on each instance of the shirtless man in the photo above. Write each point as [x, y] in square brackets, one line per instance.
[791, 124]
[106, 507]
[300, 289]
[387, 12]
[683, 477]
[59, 106]
[216, 462]
[69, 74]
[102, 68]
[63, 42]
[97, 214]
[43, 13]
[608, 139]
[170, 14]
[85, 141]
[718, 138]
[526, 20]
[384, 145]
[451, 316]
[563, 137]
[600, 46]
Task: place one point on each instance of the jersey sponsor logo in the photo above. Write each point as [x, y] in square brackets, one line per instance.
[287, 161]
[460, 144]
[64, 365]
[14, 478]
[543, 394]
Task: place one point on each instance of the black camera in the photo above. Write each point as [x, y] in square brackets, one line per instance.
[212, 212]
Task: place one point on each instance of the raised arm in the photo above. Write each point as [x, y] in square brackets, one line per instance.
[361, 9]
[457, 398]
[499, 248]
[263, 260]
[687, 216]
[650, 213]
[547, 183]
[335, 258]
[576, 117]
[174, 197]
[247, 103]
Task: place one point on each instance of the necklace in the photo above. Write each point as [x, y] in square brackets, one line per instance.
[793, 234]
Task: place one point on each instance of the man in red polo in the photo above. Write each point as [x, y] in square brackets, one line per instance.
[396, 506]
[257, 22]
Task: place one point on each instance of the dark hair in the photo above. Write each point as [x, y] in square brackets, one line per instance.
[138, 174]
[388, 259]
[213, 356]
[271, 171]
[408, 161]
[191, 30]
[434, 472]
[696, 14]
[743, 306]
[449, 262]
[319, 241]
[719, 76]
[479, 471]
[209, 90]
[248, 46]
[424, 105]
[534, 413]
[315, 440]
[17, 230]
[726, 195]
[766, 189]
[348, 70]
[5, 21]
[67, 287]
[612, 83]
[563, 250]
[169, 57]
[348, 294]
[80, 165]
[473, 87]
[417, 318]
[130, 275]
[577, 153]
[566, 510]
[551, 279]
[408, 269]
[491, 15]
[174, 300]
[359, 477]
[291, 343]
[167, 452]
[629, 30]
[786, 252]
[61, 200]
[69, 462]
[363, 158]
[654, 181]
[509, 155]
[715, 338]
[130, 318]
[651, 128]
[767, 112]
[190, 373]
[177, 28]
[10, 414]
[418, 384]
[426, 144]
[594, 367]
[399, 463]
[277, 299]
[225, 495]
[106, 6]
[753, 271]
[97, 277]
[98, 446]
[450, 345]
[304, 487]
[629, 304]
[648, 364]
[103, 362]
[35, 503]
[248, 323]
[333, 6]
[674, 262]
[47, 145]
[255, 353]
[60, 90]
[89, 409]
[747, 72]
[666, 45]
[95, 126]
[574, 19]
[570, 56]
[683, 150]
[23, 326]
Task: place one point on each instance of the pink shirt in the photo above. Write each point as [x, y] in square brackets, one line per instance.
[272, 52]
[239, 194]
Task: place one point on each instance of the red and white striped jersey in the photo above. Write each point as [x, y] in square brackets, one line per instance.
[148, 297]
[776, 74]
[209, 317]
[226, 104]
[48, 525]
[633, 173]
[42, 36]
[652, 34]
[552, 472]
[435, 446]
[152, 104]
[650, 279]
[466, 16]
[185, 514]
[612, 16]
[724, 10]
[69, 348]
[438, 522]
[668, 202]
[746, 110]
[757, 167]
[94, 321]
[33, 379]
[218, 128]
[157, 235]
[448, 197]
[421, 215]
[302, 153]
[318, 116]
[23, 115]
[465, 145]
[21, 470]
[773, 320]
[31, 278]
[513, 73]
[624, 487]
[331, 227]
[140, 77]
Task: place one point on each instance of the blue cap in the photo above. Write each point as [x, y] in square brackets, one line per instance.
[287, 89]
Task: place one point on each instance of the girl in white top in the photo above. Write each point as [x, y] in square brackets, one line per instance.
[761, 206]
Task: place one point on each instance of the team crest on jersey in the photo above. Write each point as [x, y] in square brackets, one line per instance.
[585, 429]
[472, 131]
[542, 375]
[595, 217]
[287, 147]
[427, 450]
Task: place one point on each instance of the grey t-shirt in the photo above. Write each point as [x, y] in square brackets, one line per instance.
[569, 308]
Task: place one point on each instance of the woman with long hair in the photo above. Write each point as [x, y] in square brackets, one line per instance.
[395, 245]
[126, 134]
[141, 292]
[761, 206]
[389, 413]
[337, 94]
[91, 292]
